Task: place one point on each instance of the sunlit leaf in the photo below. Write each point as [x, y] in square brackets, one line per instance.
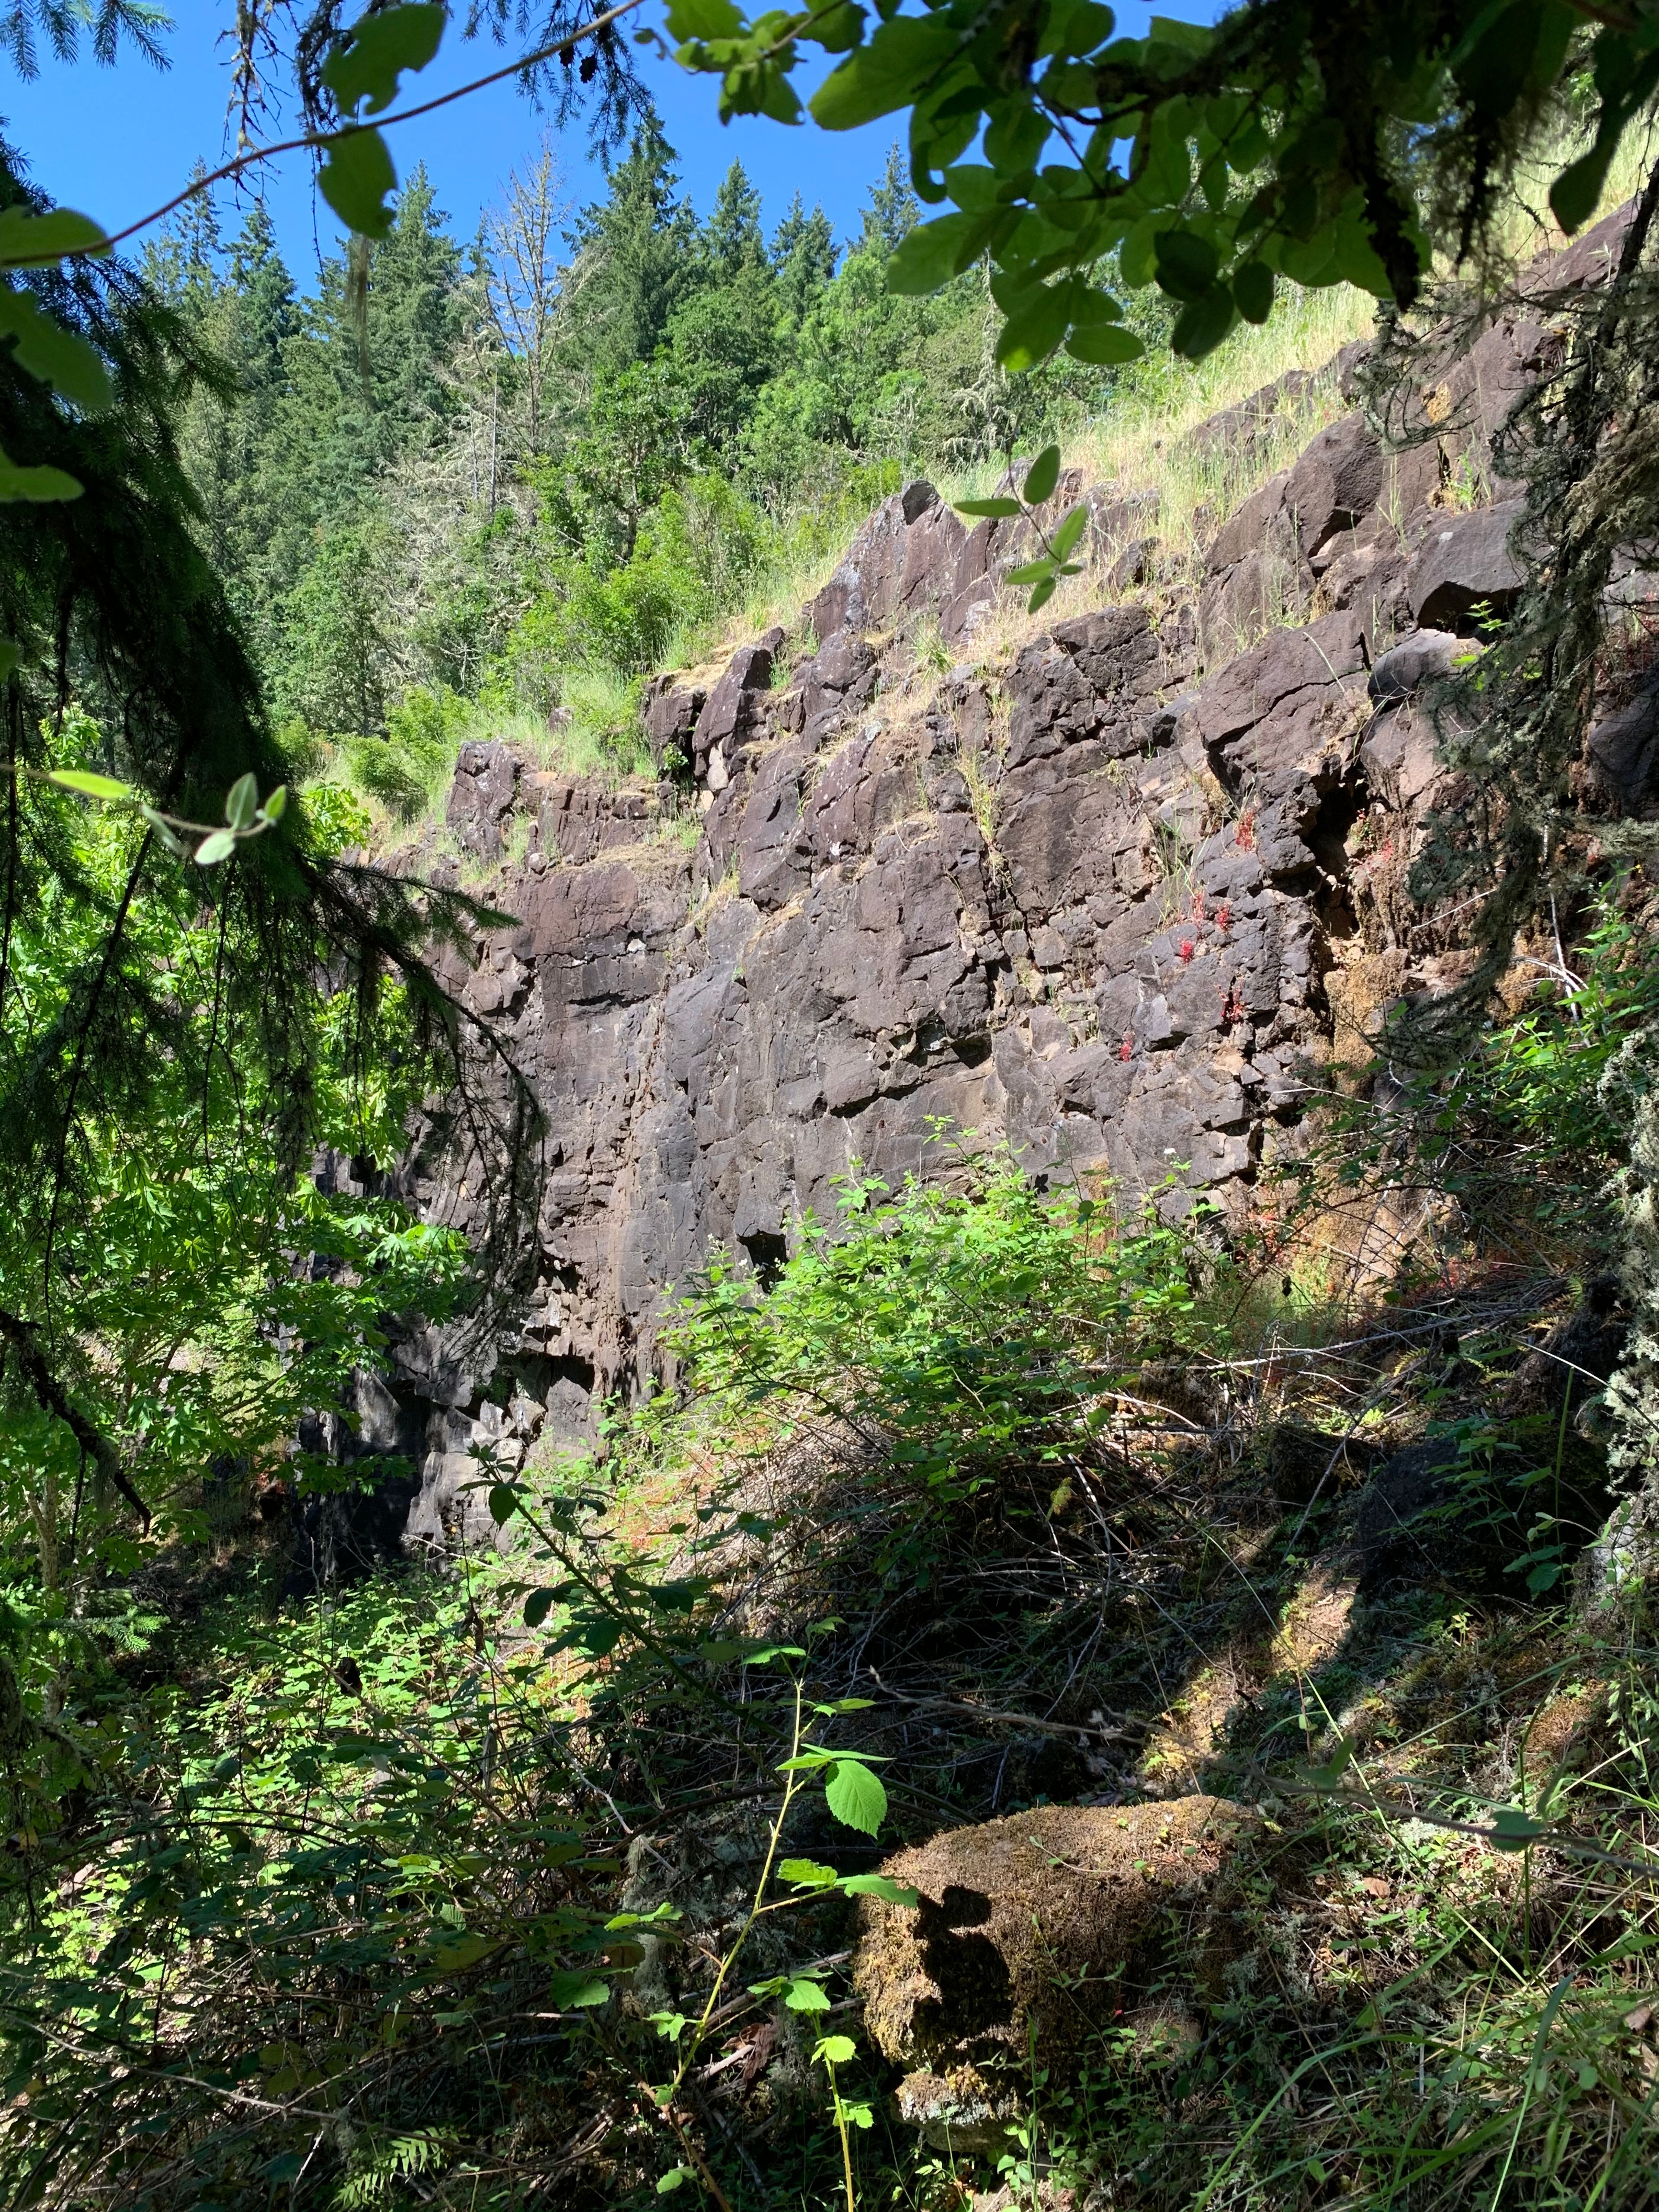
[368, 60]
[357, 179]
[89, 781]
[29, 240]
[855, 1796]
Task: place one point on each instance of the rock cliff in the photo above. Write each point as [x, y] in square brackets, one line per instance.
[1110, 887]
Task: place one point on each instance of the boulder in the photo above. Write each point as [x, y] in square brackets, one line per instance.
[1465, 560]
[1424, 656]
[670, 711]
[733, 708]
[1623, 748]
[486, 783]
[1036, 1928]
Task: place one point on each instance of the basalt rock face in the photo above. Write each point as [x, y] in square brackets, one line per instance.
[1109, 891]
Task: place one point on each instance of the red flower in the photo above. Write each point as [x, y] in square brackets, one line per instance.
[1223, 917]
[1126, 1050]
[1188, 948]
[1244, 835]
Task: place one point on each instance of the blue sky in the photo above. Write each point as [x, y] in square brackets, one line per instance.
[117, 142]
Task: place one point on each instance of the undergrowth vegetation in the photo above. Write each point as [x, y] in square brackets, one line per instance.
[544, 1871]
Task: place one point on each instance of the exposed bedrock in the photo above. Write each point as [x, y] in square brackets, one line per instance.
[1110, 890]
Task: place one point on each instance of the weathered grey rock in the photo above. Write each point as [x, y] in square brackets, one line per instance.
[1424, 656]
[1466, 559]
[486, 779]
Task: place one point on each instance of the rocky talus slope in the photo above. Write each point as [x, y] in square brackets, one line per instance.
[1111, 887]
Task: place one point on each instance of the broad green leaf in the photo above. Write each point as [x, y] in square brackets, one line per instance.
[835, 2049]
[885, 75]
[89, 781]
[676, 2178]
[1041, 595]
[163, 828]
[1186, 264]
[1071, 529]
[807, 1874]
[1253, 291]
[60, 357]
[570, 1992]
[926, 258]
[1200, 327]
[242, 802]
[1105, 344]
[838, 30]
[879, 1885]
[1031, 334]
[356, 180]
[34, 242]
[536, 1606]
[1513, 1828]
[703, 19]
[375, 51]
[1041, 478]
[1030, 572]
[504, 1503]
[856, 1796]
[276, 804]
[219, 847]
[803, 1995]
[996, 508]
[1575, 192]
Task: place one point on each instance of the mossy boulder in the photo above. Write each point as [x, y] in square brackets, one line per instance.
[1042, 1926]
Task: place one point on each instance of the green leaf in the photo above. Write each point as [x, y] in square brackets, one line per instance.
[1071, 529]
[29, 240]
[926, 257]
[1200, 327]
[242, 802]
[1186, 264]
[856, 1796]
[995, 507]
[703, 19]
[879, 1885]
[1031, 572]
[878, 78]
[807, 1874]
[1041, 477]
[10, 654]
[1253, 291]
[572, 1993]
[219, 847]
[536, 1606]
[60, 357]
[676, 2178]
[375, 51]
[1034, 330]
[804, 1995]
[1575, 192]
[38, 484]
[276, 804]
[1513, 1828]
[88, 780]
[1041, 595]
[1105, 344]
[504, 1503]
[838, 30]
[835, 2049]
[356, 180]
